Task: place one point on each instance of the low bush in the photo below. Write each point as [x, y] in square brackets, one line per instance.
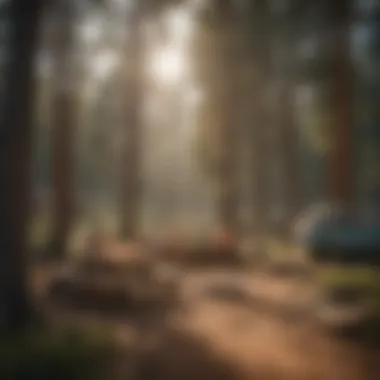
[55, 354]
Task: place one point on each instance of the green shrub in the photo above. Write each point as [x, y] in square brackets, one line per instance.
[57, 355]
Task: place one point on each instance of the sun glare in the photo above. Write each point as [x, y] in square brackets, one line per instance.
[91, 31]
[103, 65]
[180, 24]
[168, 66]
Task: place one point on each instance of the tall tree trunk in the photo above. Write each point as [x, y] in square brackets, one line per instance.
[341, 165]
[63, 123]
[288, 135]
[260, 132]
[290, 157]
[228, 175]
[223, 93]
[15, 161]
[131, 151]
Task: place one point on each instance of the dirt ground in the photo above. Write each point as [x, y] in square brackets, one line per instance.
[257, 334]
[235, 326]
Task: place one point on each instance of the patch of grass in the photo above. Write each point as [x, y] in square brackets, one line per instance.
[56, 354]
[365, 334]
[332, 275]
[282, 250]
[39, 231]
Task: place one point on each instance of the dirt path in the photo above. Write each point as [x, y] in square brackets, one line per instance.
[252, 288]
[223, 333]
[263, 344]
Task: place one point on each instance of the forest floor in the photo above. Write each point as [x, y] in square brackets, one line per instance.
[235, 325]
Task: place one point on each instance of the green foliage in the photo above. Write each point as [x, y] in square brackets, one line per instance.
[53, 355]
[317, 125]
[207, 144]
[369, 173]
[318, 128]
[40, 229]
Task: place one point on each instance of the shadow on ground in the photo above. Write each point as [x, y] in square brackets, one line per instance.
[180, 355]
[235, 294]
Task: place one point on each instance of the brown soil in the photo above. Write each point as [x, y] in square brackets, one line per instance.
[211, 338]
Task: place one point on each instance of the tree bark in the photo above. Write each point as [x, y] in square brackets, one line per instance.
[223, 92]
[261, 129]
[131, 151]
[63, 124]
[290, 162]
[341, 165]
[15, 163]
[290, 157]
[228, 181]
